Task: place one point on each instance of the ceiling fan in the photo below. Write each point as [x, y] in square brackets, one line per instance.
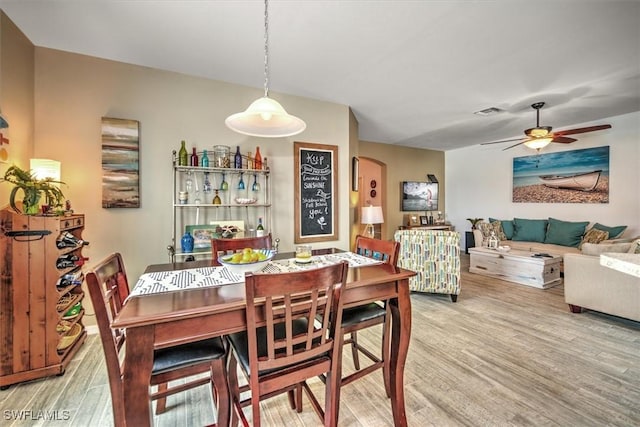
[541, 136]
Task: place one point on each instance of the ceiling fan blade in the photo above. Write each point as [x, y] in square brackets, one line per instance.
[582, 130]
[499, 142]
[563, 139]
[515, 145]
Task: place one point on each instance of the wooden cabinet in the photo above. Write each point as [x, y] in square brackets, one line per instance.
[243, 197]
[40, 332]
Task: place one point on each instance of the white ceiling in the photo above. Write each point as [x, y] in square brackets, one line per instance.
[412, 71]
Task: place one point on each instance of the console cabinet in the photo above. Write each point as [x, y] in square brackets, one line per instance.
[41, 325]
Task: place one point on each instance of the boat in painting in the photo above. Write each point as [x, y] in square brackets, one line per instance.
[585, 181]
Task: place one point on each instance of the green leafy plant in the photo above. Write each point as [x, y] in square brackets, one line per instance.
[33, 189]
[474, 222]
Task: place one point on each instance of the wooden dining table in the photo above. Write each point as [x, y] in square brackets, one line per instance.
[165, 319]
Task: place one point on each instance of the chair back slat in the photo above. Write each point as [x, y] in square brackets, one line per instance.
[285, 298]
[382, 250]
[221, 247]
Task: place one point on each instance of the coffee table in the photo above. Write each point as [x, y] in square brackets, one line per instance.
[516, 266]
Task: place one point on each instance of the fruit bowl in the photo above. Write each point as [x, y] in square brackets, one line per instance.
[247, 267]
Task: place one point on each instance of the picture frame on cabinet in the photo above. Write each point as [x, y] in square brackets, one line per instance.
[202, 235]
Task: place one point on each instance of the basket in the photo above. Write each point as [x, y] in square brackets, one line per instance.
[70, 337]
[64, 302]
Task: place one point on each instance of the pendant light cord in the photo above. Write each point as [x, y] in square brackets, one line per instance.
[266, 48]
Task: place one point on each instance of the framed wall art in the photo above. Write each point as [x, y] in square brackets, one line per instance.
[575, 176]
[120, 163]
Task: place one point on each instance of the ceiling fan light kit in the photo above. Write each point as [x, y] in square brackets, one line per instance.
[540, 136]
[265, 117]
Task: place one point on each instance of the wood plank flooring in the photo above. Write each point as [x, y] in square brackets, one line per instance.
[503, 355]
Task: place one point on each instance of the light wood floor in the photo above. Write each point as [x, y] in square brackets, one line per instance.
[503, 355]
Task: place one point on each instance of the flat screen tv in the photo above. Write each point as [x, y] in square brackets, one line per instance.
[419, 196]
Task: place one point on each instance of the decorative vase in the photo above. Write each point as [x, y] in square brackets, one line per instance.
[187, 242]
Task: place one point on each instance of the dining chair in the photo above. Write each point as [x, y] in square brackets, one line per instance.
[223, 246]
[280, 356]
[109, 288]
[368, 315]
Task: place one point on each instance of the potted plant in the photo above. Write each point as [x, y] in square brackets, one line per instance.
[474, 222]
[32, 188]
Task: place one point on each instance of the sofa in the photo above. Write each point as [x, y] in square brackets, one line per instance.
[589, 285]
[435, 256]
[552, 236]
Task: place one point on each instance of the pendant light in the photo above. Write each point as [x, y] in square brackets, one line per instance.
[265, 117]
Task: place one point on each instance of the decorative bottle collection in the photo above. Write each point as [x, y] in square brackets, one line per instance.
[221, 158]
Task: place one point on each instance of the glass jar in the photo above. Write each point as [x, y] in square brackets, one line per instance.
[221, 156]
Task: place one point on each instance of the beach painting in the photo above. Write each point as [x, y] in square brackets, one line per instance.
[576, 176]
[120, 163]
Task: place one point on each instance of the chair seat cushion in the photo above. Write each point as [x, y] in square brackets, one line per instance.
[355, 315]
[181, 356]
[240, 342]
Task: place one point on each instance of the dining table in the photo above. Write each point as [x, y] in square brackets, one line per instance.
[171, 317]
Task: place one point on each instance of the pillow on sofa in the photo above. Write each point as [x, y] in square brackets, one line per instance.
[594, 236]
[486, 229]
[635, 247]
[507, 227]
[565, 233]
[529, 230]
[600, 248]
[613, 231]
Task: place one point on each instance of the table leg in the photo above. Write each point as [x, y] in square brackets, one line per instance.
[400, 334]
[138, 363]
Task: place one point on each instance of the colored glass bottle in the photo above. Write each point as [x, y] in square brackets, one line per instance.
[257, 159]
[187, 242]
[182, 155]
[259, 228]
[238, 159]
[194, 158]
[204, 161]
[216, 199]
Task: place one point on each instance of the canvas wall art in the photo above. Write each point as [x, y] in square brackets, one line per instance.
[120, 163]
[576, 176]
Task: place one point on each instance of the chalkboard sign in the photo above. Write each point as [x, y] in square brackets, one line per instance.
[316, 183]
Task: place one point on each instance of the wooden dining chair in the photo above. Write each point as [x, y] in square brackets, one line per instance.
[368, 315]
[224, 246]
[109, 288]
[281, 355]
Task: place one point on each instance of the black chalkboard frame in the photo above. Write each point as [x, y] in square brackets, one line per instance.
[301, 151]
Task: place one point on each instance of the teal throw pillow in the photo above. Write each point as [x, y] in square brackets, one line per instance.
[565, 233]
[507, 226]
[529, 230]
[614, 232]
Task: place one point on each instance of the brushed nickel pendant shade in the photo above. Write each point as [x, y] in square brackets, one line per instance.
[265, 117]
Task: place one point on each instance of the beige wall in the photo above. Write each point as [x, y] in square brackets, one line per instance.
[16, 96]
[403, 164]
[73, 92]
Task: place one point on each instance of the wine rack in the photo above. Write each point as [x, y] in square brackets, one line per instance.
[41, 312]
[194, 191]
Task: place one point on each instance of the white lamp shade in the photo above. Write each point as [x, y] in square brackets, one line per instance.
[538, 143]
[45, 168]
[265, 117]
[372, 215]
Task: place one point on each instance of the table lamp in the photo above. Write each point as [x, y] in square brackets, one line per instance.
[371, 215]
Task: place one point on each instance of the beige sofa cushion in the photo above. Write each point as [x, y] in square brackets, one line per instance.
[600, 248]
